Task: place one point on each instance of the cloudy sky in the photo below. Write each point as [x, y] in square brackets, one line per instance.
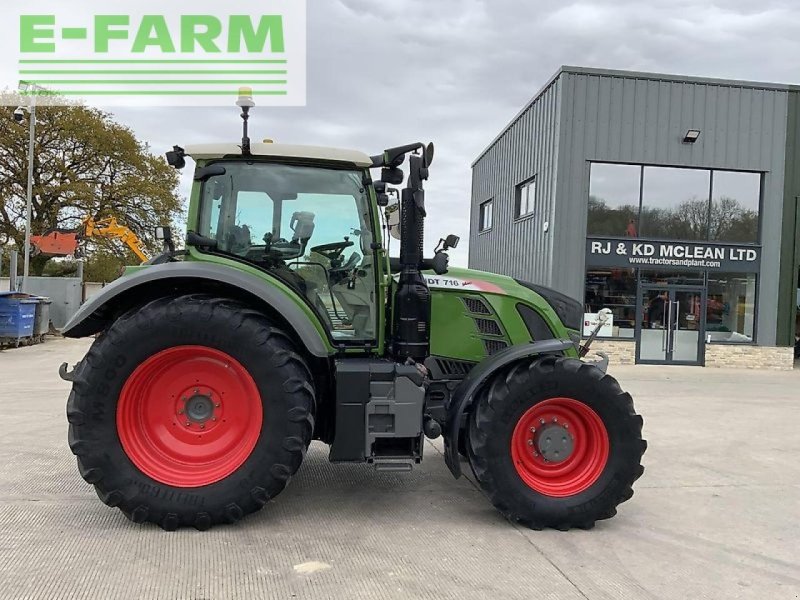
[456, 71]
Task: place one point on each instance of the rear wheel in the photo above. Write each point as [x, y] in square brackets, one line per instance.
[555, 443]
[190, 411]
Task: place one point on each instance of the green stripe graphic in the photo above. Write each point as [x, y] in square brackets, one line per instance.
[151, 93]
[148, 72]
[152, 62]
[161, 81]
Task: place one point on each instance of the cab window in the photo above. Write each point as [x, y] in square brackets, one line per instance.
[308, 226]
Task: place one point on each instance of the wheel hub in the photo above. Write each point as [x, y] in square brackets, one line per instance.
[199, 408]
[554, 443]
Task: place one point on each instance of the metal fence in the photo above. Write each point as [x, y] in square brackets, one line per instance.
[65, 293]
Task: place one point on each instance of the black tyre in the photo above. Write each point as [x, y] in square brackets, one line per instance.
[555, 442]
[190, 411]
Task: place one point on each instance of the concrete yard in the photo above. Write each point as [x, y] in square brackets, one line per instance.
[716, 514]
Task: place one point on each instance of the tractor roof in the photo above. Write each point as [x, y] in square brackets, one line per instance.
[208, 151]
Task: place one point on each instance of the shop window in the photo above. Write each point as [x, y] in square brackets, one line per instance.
[613, 200]
[735, 205]
[675, 203]
[525, 198]
[613, 288]
[731, 307]
[485, 216]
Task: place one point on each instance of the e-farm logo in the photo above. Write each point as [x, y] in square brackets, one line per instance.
[154, 55]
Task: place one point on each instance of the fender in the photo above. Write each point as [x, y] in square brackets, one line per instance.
[154, 281]
[463, 396]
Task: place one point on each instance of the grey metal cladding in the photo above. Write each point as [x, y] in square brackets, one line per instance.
[618, 118]
[78, 326]
[586, 115]
[528, 148]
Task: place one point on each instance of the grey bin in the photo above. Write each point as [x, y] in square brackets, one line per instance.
[41, 324]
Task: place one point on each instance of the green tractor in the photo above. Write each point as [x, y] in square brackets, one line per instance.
[285, 320]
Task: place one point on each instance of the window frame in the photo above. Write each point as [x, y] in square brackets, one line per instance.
[482, 213]
[760, 225]
[196, 216]
[529, 183]
[759, 238]
[612, 338]
[756, 306]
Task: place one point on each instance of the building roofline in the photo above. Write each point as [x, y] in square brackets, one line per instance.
[517, 117]
[741, 83]
[573, 70]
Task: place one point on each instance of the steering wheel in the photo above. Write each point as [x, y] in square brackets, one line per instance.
[332, 251]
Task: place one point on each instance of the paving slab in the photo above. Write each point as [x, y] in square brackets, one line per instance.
[716, 515]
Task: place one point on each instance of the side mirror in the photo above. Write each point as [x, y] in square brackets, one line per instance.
[451, 241]
[175, 158]
[440, 263]
[392, 175]
[164, 234]
[429, 156]
[392, 213]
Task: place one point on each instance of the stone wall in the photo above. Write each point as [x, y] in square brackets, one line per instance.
[717, 355]
[619, 353]
[749, 357]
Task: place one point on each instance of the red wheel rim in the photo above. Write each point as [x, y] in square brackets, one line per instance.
[189, 416]
[588, 440]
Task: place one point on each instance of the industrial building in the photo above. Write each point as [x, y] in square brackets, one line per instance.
[671, 200]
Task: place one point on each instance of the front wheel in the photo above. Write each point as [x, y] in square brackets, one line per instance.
[555, 443]
[190, 411]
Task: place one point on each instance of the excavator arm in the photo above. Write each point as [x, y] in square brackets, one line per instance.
[109, 227]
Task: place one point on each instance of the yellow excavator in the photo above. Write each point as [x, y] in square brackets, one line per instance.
[109, 228]
[66, 243]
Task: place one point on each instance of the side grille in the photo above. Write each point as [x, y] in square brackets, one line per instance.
[476, 306]
[454, 367]
[488, 327]
[437, 396]
[494, 346]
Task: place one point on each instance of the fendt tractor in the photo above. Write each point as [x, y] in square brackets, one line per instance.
[285, 320]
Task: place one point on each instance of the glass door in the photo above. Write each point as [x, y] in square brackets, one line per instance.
[687, 327]
[652, 324]
[670, 325]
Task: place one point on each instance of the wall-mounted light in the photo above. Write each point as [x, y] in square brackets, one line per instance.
[691, 136]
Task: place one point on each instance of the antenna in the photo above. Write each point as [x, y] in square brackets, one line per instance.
[246, 102]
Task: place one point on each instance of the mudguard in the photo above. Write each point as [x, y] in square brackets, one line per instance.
[94, 314]
[463, 395]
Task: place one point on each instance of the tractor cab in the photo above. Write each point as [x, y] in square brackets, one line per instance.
[300, 213]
